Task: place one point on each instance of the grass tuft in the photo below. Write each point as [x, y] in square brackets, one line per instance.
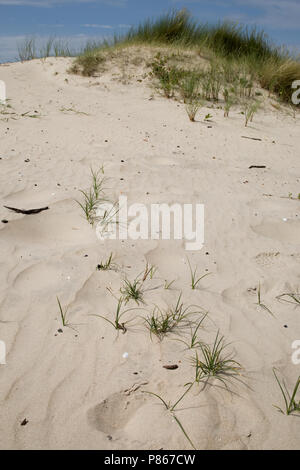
[150, 270]
[27, 49]
[63, 313]
[250, 108]
[194, 279]
[93, 197]
[194, 342]
[117, 324]
[160, 322]
[133, 290]
[106, 265]
[291, 405]
[291, 298]
[88, 63]
[214, 363]
[259, 302]
[168, 284]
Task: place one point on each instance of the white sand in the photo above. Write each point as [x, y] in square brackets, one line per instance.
[71, 386]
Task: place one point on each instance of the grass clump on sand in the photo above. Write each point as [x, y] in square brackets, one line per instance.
[93, 197]
[194, 279]
[260, 303]
[133, 290]
[194, 341]
[160, 322]
[229, 101]
[214, 363]
[250, 108]
[168, 76]
[231, 50]
[106, 265]
[29, 49]
[179, 28]
[190, 91]
[63, 315]
[278, 74]
[117, 323]
[88, 63]
[291, 404]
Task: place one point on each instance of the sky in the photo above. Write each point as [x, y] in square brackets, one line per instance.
[78, 20]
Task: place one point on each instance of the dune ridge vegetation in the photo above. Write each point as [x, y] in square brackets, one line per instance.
[234, 48]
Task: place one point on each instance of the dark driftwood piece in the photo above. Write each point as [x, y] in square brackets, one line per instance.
[26, 212]
[257, 166]
[171, 367]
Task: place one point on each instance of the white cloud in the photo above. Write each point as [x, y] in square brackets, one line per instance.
[103, 26]
[274, 14]
[48, 25]
[50, 3]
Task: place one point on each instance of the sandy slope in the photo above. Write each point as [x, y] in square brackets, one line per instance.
[75, 388]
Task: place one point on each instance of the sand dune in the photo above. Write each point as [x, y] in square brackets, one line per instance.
[74, 387]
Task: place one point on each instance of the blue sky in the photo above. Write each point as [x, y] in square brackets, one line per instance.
[76, 20]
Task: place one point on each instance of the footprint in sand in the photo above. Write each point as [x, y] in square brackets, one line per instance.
[282, 231]
[114, 412]
[267, 258]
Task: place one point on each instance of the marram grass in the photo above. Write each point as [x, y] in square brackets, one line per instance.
[235, 45]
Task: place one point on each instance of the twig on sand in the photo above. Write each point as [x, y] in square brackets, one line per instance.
[28, 211]
[251, 138]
